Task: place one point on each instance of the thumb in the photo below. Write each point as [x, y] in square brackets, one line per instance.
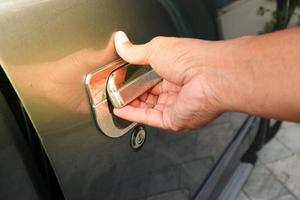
[135, 54]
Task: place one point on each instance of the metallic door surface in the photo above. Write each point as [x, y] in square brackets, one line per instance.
[47, 47]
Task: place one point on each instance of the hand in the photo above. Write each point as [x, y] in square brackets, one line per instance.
[187, 97]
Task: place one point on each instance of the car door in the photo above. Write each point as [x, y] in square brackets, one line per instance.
[48, 47]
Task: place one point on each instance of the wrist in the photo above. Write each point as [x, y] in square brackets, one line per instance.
[225, 70]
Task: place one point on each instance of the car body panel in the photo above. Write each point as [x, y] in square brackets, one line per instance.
[46, 49]
[16, 181]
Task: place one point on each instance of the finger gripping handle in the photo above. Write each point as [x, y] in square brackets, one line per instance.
[122, 92]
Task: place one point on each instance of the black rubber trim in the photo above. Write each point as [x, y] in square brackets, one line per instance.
[272, 130]
[176, 17]
[208, 186]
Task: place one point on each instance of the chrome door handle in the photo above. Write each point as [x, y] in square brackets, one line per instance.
[122, 91]
[118, 82]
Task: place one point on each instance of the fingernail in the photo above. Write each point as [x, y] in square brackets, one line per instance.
[121, 37]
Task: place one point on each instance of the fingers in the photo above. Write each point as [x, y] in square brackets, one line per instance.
[149, 116]
[135, 54]
[165, 86]
[145, 100]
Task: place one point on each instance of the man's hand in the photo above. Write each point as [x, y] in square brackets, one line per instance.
[185, 99]
[258, 75]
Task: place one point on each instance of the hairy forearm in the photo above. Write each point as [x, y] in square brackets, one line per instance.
[261, 75]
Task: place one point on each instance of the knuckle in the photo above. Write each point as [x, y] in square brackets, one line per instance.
[157, 39]
[155, 42]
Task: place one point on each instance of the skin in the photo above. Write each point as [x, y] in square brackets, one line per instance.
[258, 75]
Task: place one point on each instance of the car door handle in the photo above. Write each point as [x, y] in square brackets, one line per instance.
[116, 84]
[122, 89]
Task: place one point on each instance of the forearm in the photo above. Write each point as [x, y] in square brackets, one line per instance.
[261, 75]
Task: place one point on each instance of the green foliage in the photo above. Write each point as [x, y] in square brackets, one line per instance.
[281, 16]
[262, 10]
